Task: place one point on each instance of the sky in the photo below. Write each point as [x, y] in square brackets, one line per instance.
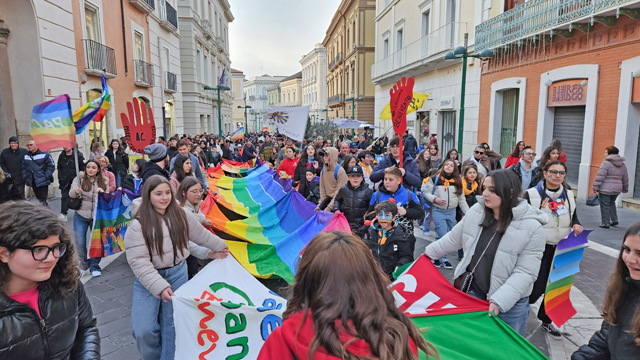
[271, 36]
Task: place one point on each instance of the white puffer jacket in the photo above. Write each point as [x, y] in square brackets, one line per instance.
[448, 195]
[517, 260]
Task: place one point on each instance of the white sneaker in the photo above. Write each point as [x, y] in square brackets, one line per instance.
[62, 217]
[82, 272]
[95, 273]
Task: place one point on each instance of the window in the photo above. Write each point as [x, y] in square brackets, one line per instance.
[206, 67]
[216, 29]
[92, 23]
[425, 22]
[213, 72]
[198, 65]
[294, 96]
[385, 48]
[202, 11]
[210, 12]
[166, 59]
[138, 47]
[399, 39]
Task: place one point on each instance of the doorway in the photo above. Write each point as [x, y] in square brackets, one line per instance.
[568, 127]
[448, 140]
[509, 128]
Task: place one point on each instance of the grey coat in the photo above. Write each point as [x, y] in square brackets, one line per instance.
[517, 260]
[612, 178]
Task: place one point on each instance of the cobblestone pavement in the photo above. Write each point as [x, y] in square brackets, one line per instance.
[111, 293]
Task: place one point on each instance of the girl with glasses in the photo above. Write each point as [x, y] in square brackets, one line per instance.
[42, 299]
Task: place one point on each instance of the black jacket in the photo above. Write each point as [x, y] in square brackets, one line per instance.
[378, 149]
[172, 151]
[410, 144]
[67, 168]
[38, 168]
[226, 153]
[536, 175]
[299, 175]
[395, 252]
[151, 169]
[363, 145]
[119, 163]
[248, 152]
[354, 203]
[11, 163]
[67, 330]
[8, 190]
[313, 190]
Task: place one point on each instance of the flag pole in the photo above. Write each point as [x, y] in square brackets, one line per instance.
[75, 156]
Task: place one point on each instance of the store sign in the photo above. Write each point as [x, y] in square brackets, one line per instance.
[567, 93]
[635, 95]
[447, 103]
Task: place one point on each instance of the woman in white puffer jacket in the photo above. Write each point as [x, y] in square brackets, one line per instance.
[503, 241]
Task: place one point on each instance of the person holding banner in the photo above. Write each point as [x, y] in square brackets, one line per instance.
[157, 243]
[338, 279]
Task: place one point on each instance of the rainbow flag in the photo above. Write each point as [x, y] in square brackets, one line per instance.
[51, 124]
[93, 110]
[238, 134]
[233, 167]
[112, 216]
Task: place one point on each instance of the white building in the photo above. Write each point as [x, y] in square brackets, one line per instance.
[237, 88]
[204, 56]
[314, 86]
[255, 91]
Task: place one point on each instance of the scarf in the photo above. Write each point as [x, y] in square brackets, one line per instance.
[310, 161]
[439, 178]
[466, 189]
[548, 200]
[366, 169]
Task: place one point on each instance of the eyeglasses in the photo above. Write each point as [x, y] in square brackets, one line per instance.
[529, 154]
[197, 192]
[556, 172]
[41, 252]
[479, 152]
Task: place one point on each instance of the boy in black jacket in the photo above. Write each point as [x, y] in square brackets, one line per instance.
[312, 189]
[353, 200]
[388, 241]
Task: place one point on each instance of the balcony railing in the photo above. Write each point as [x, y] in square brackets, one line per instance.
[168, 16]
[335, 61]
[335, 99]
[99, 57]
[170, 82]
[435, 43]
[143, 73]
[146, 6]
[536, 16]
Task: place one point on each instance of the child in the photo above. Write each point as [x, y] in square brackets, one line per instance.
[471, 185]
[312, 186]
[133, 180]
[353, 200]
[388, 241]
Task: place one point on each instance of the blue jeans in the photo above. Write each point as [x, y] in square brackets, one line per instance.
[443, 221]
[80, 227]
[152, 318]
[517, 316]
[118, 179]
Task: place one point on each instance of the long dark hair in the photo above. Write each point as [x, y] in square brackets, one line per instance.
[448, 156]
[179, 169]
[516, 150]
[347, 160]
[85, 182]
[618, 286]
[23, 223]
[423, 166]
[338, 279]
[556, 143]
[546, 155]
[465, 170]
[141, 163]
[185, 185]
[455, 175]
[151, 221]
[304, 158]
[119, 151]
[508, 187]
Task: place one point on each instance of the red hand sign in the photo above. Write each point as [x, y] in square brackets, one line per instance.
[401, 97]
[140, 131]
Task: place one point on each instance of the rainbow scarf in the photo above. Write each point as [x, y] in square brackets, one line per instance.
[94, 110]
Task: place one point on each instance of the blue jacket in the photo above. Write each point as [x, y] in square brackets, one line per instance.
[248, 153]
[411, 175]
[38, 167]
[195, 164]
[410, 144]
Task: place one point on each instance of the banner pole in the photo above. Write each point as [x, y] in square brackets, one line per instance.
[75, 156]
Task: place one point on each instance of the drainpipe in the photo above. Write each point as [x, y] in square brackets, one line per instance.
[164, 121]
[124, 40]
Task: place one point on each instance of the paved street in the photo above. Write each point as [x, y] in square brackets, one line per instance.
[111, 293]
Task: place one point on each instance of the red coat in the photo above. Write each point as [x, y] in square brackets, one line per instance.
[289, 166]
[283, 342]
[511, 161]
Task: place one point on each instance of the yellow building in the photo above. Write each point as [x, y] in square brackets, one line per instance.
[291, 90]
[350, 44]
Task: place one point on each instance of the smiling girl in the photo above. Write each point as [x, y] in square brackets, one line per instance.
[182, 168]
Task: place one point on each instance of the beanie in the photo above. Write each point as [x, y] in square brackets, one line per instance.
[156, 152]
[14, 139]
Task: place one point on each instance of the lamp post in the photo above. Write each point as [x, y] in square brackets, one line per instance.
[246, 129]
[353, 109]
[461, 53]
[218, 88]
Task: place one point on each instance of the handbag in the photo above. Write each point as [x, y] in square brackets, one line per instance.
[593, 200]
[463, 282]
[75, 203]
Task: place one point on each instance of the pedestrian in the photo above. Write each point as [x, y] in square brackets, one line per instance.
[157, 244]
[353, 200]
[501, 272]
[487, 162]
[125, 148]
[612, 179]
[308, 160]
[182, 168]
[183, 150]
[207, 155]
[549, 154]
[446, 194]
[104, 165]
[311, 190]
[559, 204]
[365, 159]
[562, 156]
[453, 155]
[619, 335]
[363, 144]
[273, 159]
[133, 181]
[37, 171]
[172, 149]
[96, 150]
[158, 162]
[525, 168]
[88, 184]
[515, 155]
[344, 151]
[378, 147]
[11, 163]
[338, 281]
[388, 242]
[8, 190]
[266, 149]
[410, 171]
[472, 187]
[410, 145]
[427, 162]
[202, 163]
[349, 161]
[332, 177]
[66, 172]
[249, 152]
[353, 148]
[46, 313]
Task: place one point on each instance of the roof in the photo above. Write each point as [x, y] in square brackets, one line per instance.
[297, 75]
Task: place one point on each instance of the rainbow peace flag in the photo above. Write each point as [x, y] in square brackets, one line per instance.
[112, 216]
[238, 134]
[93, 110]
[51, 124]
[233, 167]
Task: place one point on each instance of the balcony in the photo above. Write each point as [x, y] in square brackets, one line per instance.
[145, 6]
[208, 29]
[99, 58]
[170, 82]
[425, 50]
[168, 16]
[143, 73]
[537, 16]
[335, 99]
[335, 61]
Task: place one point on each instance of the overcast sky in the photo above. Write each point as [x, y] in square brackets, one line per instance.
[270, 37]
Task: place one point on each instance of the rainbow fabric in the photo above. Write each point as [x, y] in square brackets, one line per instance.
[112, 216]
[93, 110]
[238, 134]
[51, 124]
[233, 167]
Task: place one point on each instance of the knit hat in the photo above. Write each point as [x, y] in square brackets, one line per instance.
[156, 152]
[14, 139]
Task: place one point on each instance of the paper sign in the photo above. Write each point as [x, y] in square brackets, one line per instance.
[564, 271]
[572, 240]
[568, 257]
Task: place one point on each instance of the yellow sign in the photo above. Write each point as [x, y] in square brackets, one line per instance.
[135, 156]
[416, 103]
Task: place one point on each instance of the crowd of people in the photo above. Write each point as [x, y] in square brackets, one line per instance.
[503, 218]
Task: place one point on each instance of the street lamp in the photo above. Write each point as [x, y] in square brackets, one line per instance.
[246, 129]
[461, 53]
[353, 109]
[218, 89]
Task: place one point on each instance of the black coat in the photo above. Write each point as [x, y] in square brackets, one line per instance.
[354, 203]
[38, 168]
[410, 144]
[8, 190]
[314, 191]
[395, 252]
[11, 163]
[378, 149]
[248, 152]
[119, 163]
[151, 169]
[299, 175]
[67, 168]
[67, 330]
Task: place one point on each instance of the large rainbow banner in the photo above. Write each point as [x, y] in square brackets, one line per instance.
[112, 217]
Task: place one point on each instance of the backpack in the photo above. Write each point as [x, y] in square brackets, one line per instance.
[335, 172]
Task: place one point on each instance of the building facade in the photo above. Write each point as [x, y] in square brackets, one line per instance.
[314, 85]
[350, 48]
[412, 37]
[568, 78]
[237, 90]
[204, 58]
[291, 90]
[255, 91]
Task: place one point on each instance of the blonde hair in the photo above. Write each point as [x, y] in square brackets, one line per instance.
[106, 159]
[2, 177]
